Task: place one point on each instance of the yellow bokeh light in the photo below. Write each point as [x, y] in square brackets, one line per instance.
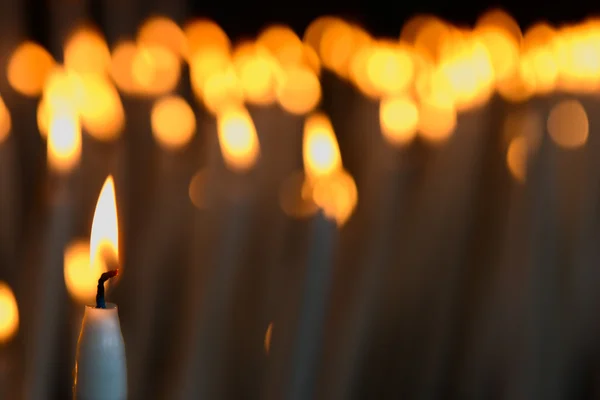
[238, 139]
[81, 279]
[314, 32]
[399, 119]
[155, 69]
[86, 52]
[283, 43]
[43, 117]
[390, 68]
[222, 90]
[336, 46]
[173, 122]
[28, 67]
[255, 68]
[5, 121]
[163, 32]
[299, 91]
[499, 19]
[205, 64]
[104, 237]
[101, 111]
[568, 124]
[64, 139]
[516, 158]
[437, 117]
[121, 68]
[9, 313]
[320, 149]
[336, 195]
[430, 36]
[203, 35]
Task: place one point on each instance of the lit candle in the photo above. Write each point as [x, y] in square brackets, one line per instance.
[100, 366]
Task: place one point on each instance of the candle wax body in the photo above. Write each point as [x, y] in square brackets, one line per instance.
[100, 365]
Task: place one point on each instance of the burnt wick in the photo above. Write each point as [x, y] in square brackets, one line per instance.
[100, 303]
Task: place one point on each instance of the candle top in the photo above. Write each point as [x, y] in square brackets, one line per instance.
[100, 303]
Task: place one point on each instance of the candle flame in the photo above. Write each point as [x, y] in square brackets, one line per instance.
[104, 239]
[238, 138]
[320, 149]
[9, 313]
[64, 139]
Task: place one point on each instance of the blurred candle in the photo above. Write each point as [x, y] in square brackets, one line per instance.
[333, 191]
[63, 154]
[100, 366]
[231, 200]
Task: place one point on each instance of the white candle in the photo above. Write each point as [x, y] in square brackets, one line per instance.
[100, 367]
[100, 364]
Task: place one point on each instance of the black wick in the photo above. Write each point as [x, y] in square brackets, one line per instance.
[100, 303]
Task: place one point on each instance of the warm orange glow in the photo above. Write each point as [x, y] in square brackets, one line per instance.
[320, 150]
[336, 195]
[197, 189]
[43, 117]
[203, 35]
[28, 67]
[503, 50]
[205, 64]
[430, 36]
[337, 45]
[399, 119]
[104, 238]
[101, 111]
[390, 68]
[9, 313]
[527, 123]
[283, 43]
[359, 72]
[81, 279]
[516, 158]
[268, 335]
[299, 91]
[155, 69]
[568, 124]
[64, 139]
[222, 90]
[437, 117]
[255, 68]
[121, 67]
[86, 51]
[5, 121]
[164, 32]
[314, 32]
[237, 138]
[173, 122]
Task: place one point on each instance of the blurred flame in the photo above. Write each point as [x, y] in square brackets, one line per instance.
[256, 70]
[163, 32]
[86, 52]
[155, 69]
[320, 149]
[222, 90]
[516, 158]
[568, 124]
[268, 335]
[399, 119]
[121, 68]
[390, 68]
[101, 111]
[64, 139]
[5, 121]
[283, 43]
[299, 91]
[336, 195]
[173, 122]
[205, 64]
[9, 313]
[104, 237]
[237, 138]
[81, 279]
[437, 117]
[204, 35]
[28, 67]
[197, 189]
